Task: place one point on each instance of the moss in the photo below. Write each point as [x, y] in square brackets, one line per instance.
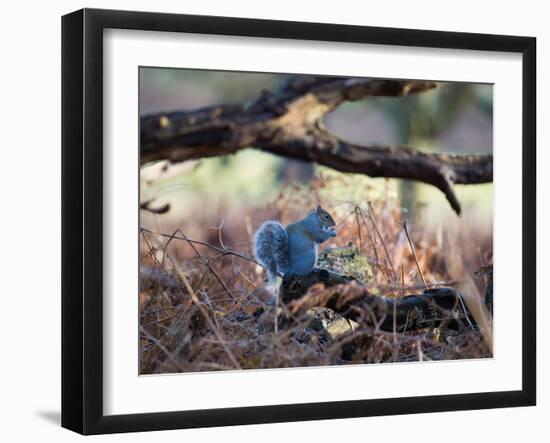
[347, 260]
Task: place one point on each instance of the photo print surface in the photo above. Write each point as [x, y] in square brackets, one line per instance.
[303, 221]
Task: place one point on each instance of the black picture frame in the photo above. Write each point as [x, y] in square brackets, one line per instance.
[82, 219]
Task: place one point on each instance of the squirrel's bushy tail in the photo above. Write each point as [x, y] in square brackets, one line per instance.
[271, 248]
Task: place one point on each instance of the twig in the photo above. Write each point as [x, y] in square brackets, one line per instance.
[159, 345]
[395, 343]
[356, 210]
[371, 238]
[207, 264]
[160, 320]
[202, 243]
[166, 247]
[152, 250]
[211, 324]
[402, 280]
[371, 215]
[414, 255]
[143, 314]
[153, 253]
[220, 239]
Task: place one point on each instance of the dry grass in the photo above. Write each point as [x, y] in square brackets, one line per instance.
[203, 305]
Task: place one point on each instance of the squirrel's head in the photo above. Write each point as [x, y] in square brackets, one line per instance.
[325, 223]
[326, 219]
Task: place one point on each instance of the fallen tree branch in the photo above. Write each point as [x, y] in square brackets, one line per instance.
[289, 122]
[351, 299]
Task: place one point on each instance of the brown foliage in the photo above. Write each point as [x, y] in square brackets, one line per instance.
[204, 308]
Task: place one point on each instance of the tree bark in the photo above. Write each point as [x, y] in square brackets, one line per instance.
[289, 122]
[435, 307]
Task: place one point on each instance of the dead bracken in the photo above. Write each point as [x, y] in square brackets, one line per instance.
[204, 307]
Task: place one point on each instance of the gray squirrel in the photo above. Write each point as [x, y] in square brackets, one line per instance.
[292, 250]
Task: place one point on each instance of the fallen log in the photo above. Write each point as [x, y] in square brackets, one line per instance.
[441, 307]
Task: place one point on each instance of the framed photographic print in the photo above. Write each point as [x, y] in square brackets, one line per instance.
[269, 221]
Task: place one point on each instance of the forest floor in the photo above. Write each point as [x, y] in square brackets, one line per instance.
[204, 306]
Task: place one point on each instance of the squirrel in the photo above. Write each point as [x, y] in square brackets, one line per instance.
[292, 250]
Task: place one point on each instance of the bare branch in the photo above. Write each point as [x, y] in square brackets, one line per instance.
[439, 170]
[289, 122]
[146, 206]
